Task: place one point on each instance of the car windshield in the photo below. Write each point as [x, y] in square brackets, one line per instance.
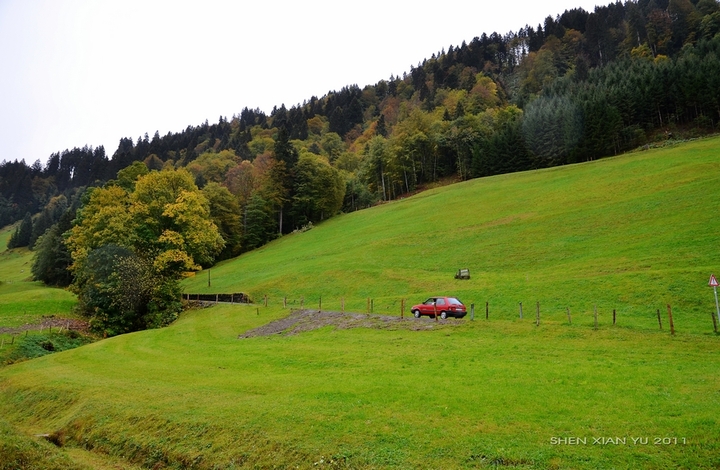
[454, 301]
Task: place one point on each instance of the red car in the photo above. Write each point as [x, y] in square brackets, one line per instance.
[443, 306]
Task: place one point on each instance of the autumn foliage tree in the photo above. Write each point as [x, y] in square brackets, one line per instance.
[131, 248]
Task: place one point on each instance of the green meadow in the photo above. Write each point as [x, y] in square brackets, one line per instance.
[463, 395]
[633, 234]
[21, 300]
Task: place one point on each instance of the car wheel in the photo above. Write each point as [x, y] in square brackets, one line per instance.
[416, 313]
[443, 315]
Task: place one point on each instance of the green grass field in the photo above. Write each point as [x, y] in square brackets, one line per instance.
[23, 301]
[14, 264]
[465, 395]
[632, 233]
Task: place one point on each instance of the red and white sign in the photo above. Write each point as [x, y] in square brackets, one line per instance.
[713, 282]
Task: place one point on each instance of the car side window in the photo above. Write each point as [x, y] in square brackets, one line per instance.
[440, 302]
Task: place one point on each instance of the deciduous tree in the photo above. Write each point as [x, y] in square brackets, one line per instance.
[129, 250]
[225, 214]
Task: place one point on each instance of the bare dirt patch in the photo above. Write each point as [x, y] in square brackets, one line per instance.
[308, 320]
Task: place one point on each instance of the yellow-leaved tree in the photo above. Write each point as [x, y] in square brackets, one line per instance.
[130, 247]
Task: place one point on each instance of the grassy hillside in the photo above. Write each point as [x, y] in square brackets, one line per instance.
[14, 264]
[632, 233]
[22, 300]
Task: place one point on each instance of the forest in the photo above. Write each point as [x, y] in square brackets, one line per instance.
[581, 86]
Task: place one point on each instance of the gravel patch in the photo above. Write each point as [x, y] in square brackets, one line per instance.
[308, 320]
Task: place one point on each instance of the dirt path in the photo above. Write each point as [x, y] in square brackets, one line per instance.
[48, 322]
[308, 320]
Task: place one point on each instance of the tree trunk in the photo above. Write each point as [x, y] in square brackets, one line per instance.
[382, 177]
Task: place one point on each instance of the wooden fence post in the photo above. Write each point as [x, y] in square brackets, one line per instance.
[402, 309]
[472, 312]
[596, 317]
[435, 310]
[487, 310]
[342, 304]
[266, 300]
[520, 310]
[320, 305]
[537, 315]
[568, 315]
[659, 320]
[613, 316]
[302, 301]
[367, 308]
[372, 305]
[285, 302]
[672, 325]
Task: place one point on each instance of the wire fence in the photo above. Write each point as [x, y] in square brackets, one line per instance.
[588, 314]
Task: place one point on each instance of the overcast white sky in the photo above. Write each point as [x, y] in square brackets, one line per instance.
[88, 72]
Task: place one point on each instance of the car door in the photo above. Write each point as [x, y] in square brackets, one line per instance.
[428, 307]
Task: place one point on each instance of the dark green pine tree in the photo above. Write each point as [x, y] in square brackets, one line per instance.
[381, 129]
[337, 121]
[283, 176]
[459, 111]
[21, 236]
[284, 150]
[259, 224]
[52, 257]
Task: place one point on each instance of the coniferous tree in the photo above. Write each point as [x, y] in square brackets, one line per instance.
[52, 257]
[260, 226]
[23, 233]
[282, 175]
[381, 129]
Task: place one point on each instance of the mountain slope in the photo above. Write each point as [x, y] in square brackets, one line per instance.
[634, 233]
